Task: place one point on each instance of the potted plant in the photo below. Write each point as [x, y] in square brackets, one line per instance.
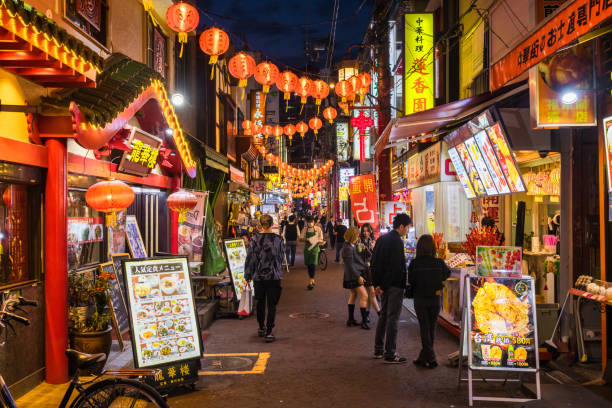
[89, 295]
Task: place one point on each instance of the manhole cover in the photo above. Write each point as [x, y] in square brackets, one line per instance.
[227, 364]
[309, 315]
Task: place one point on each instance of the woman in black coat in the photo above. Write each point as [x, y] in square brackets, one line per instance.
[426, 276]
[354, 270]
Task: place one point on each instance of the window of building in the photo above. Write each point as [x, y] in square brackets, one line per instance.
[90, 16]
[85, 232]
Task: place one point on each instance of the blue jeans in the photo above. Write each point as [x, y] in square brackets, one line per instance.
[339, 246]
[290, 247]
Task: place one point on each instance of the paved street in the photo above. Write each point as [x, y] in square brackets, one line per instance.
[321, 362]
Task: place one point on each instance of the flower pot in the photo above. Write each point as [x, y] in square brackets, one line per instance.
[92, 343]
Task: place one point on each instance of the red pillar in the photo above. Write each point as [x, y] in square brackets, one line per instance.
[56, 264]
[176, 184]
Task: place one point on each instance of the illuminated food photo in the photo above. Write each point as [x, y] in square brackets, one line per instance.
[498, 310]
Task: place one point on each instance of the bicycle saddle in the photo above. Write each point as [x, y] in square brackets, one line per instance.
[84, 360]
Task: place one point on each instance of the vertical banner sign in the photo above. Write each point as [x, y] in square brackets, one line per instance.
[342, 140]
[419, 67]
[364, 200]
[389, 210]
[607, 128]
[258, 108]
[190, 232]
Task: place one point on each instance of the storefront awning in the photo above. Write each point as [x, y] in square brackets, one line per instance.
[125, 88]
[251, 154]
[37, 49]
[216, 160]
[424, 123]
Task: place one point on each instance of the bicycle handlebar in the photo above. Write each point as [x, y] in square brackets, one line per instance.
[10, 306]
[25, 302]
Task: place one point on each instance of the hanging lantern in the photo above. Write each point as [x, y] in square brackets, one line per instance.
[109, 197]
[344, 106]
[214, 42]
[366, 80]
[344, 90]
[242, 67]
[266, 74]
[330, 114]
[257, 128]
[315, 124]
[320, 90]
[355, 86]
[182, 18]
[278, 132]
[302, 128]
[267, 130]
[287, 82]
[247, 126]
[304, 88]
[182, 201]
[289, 131]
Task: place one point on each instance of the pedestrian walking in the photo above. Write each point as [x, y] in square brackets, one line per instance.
[354, 270]
[339, 231]
[301, 223]
[426, 276]
[264, 267]
[291, 233]
[313, 236]
[329, 229]
[365, 248]
[389, 279]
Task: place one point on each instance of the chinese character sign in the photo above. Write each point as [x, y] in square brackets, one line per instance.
[364, 200]
[342, 140]
[419, 67]
[389, 210]
[258, 108]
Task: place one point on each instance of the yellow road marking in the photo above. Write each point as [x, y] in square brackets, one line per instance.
[258, 368]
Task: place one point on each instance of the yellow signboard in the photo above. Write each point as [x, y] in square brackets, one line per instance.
[343, 193]
[419, 63]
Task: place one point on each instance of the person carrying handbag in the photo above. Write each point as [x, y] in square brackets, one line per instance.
[264, 266]
[354, 270]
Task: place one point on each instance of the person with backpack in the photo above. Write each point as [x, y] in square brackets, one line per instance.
[264, 266]
[291, 233]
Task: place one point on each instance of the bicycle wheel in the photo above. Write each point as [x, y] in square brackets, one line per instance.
[120, 393]
[322, 260]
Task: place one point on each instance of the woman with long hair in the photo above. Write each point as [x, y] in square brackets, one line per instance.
[426, 276]
[313, 236]
[354, 269]
[365, 249]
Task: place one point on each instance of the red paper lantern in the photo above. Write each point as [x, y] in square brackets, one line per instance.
[278, 131]
[330, 114]
[242, 67]
[315, 124]
[344, 90]
[289, 131]
[320, 90]
[304, 89]
[302, 128]
[182, 18]
[366, 80]
[247, 126]
[257, 129]
[182, 201]
[266, 74]
[287, 82]
[214, 42]
[109, 197]
[355, 85]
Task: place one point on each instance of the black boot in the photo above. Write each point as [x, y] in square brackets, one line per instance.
[364, 319]
[367, 316]
[351, 316]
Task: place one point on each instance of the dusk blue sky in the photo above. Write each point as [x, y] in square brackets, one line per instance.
[285, 45]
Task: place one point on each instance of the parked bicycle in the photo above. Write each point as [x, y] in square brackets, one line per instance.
[111, 388]
[323, 256]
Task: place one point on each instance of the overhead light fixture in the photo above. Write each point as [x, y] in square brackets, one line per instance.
[569, 97]
[169, 131]
[177, 99]
[332, 85]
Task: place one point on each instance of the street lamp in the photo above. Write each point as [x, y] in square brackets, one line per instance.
[347, 68]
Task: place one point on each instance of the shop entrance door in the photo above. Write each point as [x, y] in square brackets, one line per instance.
[151, 212]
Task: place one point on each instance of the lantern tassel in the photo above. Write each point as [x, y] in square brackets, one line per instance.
[301, 108]
[242, 97]
[111, 219]
[182, 217]
[212, 71]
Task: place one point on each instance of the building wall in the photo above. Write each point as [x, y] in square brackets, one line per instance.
[14, 124]
[126, 28]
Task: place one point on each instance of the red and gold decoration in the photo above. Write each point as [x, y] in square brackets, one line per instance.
[362, 122]
[366, 80]
[278, 132]
[183, 18]
[247, 126]
[355, 86]
[182, 201]
[109, 197]
[330, 114]
[320, 90]
[289, 131]
[257, 129]
[344, 90]
[267, 131]
[242, 67]
[266, 74]
[214, 42]
[287, 82]
[302, 128]
[315, 124]
[304, 89]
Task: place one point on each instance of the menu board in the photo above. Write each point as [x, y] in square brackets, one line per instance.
[607, 125]
[499, 261]
[117, 299]
[164, 322]
[190, 231]
[118, 264]
[461, 173]
[502, 324]
[506, 159]
[481, 166]
[482, 140]
[236, 254]
[470, 169]
[134, 239]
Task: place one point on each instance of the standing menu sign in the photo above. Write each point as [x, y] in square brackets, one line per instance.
[236, 254]
[134, 239]
[164, 325]
[191, 231]
[499, 329]
[119, 316]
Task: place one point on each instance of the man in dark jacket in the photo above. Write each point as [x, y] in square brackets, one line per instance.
[339, 231]
[388, 268]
